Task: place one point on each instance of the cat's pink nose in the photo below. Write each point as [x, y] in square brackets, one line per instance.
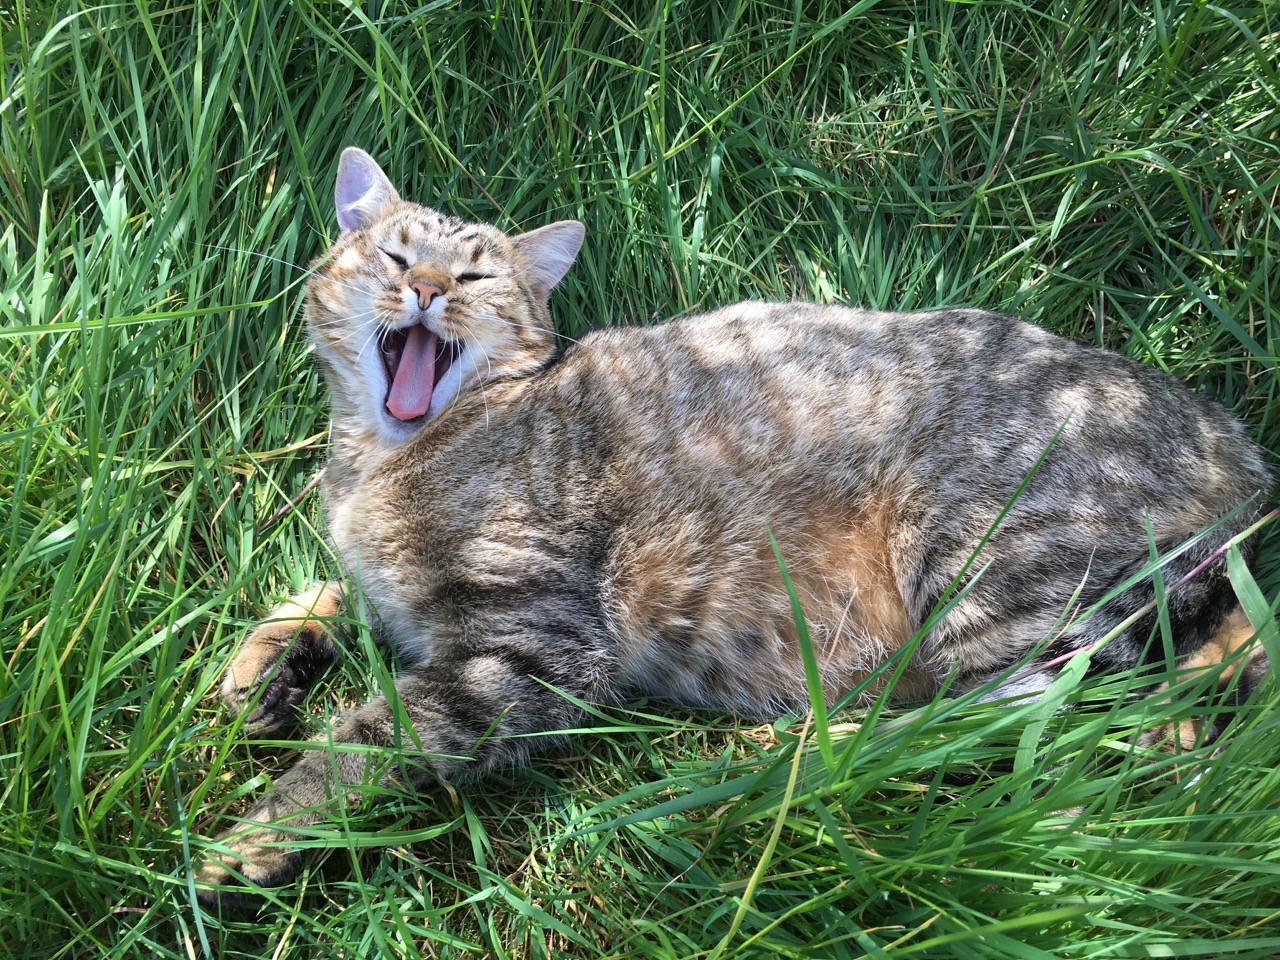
[425, 291]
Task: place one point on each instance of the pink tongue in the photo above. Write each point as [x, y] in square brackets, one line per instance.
[411, 389]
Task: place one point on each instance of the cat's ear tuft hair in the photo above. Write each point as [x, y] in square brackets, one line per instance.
[362, 190]
[549, 252]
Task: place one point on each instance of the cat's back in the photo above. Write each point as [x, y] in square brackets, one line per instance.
[760, 383]
[947, 416]
[777, 385]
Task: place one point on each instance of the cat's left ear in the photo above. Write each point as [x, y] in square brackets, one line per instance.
[362, 190]
[549, 252]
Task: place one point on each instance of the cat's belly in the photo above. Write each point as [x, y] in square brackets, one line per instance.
[700, 614]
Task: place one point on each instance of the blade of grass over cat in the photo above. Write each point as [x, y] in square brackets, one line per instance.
[809, 657]
[1261, 613]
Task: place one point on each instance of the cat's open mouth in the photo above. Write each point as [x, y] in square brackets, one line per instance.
[415, 359]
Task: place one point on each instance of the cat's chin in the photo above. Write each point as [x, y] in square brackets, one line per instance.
[411, 424]
[393, 430]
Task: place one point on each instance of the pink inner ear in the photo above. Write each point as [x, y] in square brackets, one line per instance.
[354, 184]
[360, 191]
[550, 252]
[354, 181]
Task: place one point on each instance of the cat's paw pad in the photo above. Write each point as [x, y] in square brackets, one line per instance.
[273, 671]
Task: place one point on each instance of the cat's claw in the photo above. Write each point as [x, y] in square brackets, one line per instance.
[272, 708]
[270, 676]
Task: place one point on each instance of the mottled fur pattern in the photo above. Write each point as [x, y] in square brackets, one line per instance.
[595, 519]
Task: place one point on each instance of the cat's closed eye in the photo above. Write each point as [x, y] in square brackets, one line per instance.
[471, 276]
[395, 258]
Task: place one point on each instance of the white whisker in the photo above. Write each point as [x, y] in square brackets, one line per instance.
[484, 397]
[532, 326]
[359, 323]
[306, 272]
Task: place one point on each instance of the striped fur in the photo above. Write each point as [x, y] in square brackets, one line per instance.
[595, 519]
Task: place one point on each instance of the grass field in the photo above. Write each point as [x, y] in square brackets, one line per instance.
[1107, 169]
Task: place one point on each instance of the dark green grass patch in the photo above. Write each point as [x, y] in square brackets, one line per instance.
[1109, 170]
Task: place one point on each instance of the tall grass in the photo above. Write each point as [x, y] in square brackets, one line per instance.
[1109, 170]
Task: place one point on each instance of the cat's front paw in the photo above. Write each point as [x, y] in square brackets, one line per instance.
[280, 660]
[233, 876]
[272, 673]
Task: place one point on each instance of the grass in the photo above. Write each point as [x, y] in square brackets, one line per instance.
[1110, 170]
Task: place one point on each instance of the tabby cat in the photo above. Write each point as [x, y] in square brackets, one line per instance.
[528, 521]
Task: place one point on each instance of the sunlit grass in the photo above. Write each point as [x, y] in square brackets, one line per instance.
[1108, 170]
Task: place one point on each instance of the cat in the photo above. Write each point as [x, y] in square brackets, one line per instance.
[535, 526]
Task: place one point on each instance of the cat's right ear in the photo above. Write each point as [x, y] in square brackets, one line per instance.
[361, 191]
[550, 252]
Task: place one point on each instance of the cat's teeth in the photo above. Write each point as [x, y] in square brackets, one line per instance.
[391, 345]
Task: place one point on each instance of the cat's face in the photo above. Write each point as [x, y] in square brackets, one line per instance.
[411, 308]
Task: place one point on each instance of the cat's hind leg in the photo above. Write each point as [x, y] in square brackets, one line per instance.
[1220, 653]
[282, 657]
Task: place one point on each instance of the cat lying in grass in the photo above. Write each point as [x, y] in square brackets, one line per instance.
[596, 520]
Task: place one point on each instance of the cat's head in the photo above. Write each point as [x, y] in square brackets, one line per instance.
[411, 308]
